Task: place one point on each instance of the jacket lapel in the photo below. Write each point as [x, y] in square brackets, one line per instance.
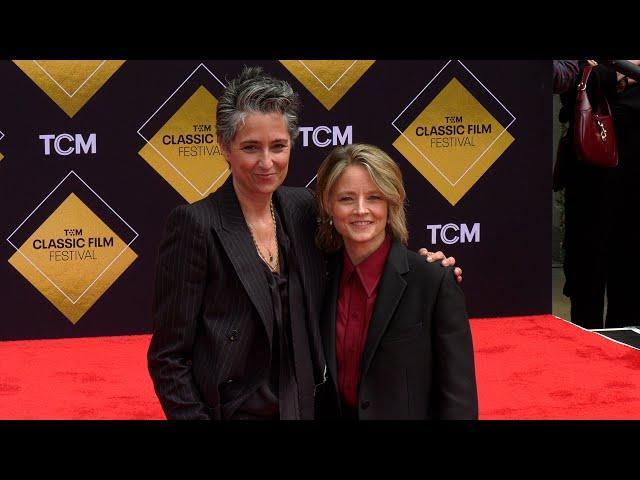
[328, 326]
[299, 245]
[392, 286]
[237, 242]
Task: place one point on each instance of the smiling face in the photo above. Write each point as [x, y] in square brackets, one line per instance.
[359, 209]
[258, 154]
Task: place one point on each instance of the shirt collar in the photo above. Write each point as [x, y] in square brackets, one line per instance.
[369, 271]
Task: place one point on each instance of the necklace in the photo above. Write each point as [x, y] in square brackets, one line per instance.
[273, 262]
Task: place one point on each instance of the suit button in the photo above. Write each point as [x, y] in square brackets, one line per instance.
[233, 336]
[365, 404]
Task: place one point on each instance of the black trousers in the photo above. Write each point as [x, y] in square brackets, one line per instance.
[601, 207]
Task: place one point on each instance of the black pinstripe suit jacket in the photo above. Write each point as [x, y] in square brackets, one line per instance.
[212, 312]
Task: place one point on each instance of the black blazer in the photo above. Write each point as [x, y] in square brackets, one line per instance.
[418, 359]
[212, 311]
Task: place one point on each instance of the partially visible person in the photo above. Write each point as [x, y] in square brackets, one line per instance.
[565, 73]
[565, 79]
[395, 331]
[601, 204]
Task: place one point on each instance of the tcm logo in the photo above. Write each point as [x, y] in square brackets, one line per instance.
[324, 136]
[452, 233]
[66, 144]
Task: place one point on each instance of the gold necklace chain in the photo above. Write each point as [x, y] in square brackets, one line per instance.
[272, 263]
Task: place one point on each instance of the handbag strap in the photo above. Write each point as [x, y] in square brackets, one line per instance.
[582, 86]
[582, 99]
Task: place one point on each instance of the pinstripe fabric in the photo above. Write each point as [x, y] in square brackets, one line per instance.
[212, 313]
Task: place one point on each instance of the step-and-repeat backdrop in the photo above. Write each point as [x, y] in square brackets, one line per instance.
[95, 153]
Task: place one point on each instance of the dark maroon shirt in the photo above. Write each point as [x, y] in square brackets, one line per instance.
[357, 298]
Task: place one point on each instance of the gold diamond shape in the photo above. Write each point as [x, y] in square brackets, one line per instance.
[203, 169]
[69, 83]
[1, 157]
[454, 141]
[328, 80]
[75, 275]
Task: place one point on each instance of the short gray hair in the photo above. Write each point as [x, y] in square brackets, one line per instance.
[253, 91]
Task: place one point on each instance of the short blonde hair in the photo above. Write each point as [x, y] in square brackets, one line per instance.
[384, 172]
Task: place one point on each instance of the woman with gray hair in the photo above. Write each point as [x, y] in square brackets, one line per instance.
[239, 283]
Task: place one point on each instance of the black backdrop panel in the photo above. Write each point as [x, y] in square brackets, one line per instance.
[109, 184]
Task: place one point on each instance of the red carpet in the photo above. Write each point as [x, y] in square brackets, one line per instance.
[527, 368]
[85, 378]
[546, 368]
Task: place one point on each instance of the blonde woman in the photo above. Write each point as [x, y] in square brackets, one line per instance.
[395, 331]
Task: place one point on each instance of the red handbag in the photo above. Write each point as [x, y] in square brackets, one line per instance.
[594, 137]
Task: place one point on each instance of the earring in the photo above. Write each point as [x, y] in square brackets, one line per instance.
[330, 220]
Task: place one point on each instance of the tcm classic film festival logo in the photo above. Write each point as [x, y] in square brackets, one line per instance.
[451, 135]
[328, 81]
[69, 83]
[180, 137]
[72, 247]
